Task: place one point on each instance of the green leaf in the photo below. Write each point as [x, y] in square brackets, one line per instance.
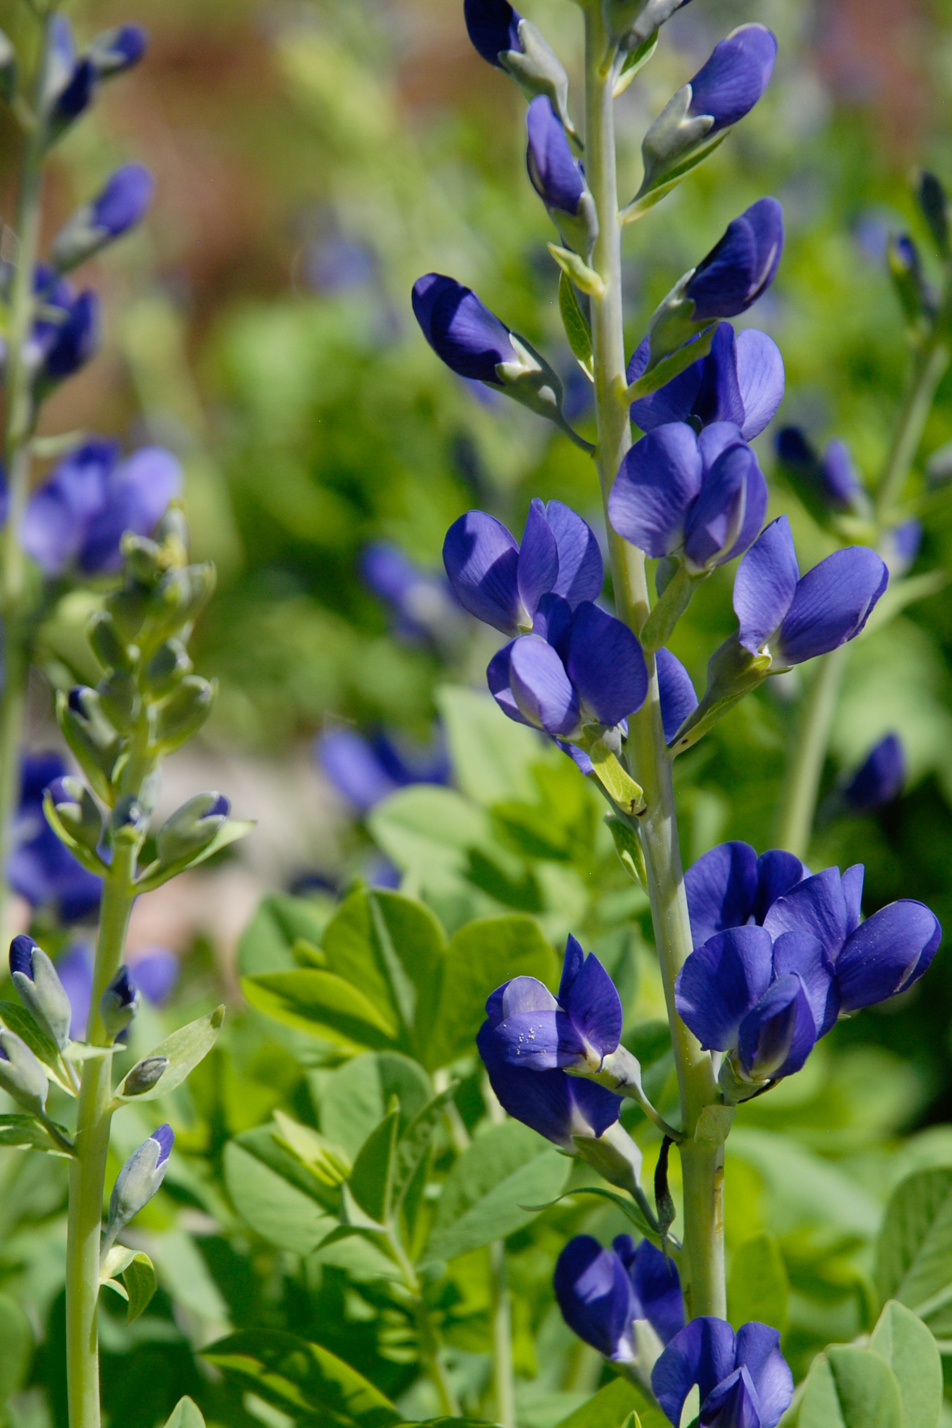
[16, 1336]
[139, 1280]
[184, 1049]
[185, 1414]
[297, 1377]
[355, 1097]
[914, 1254]
[492, 1187]
[17, 1019]
[628, 1207]
[904, 1342]
[274, 1193]
[576, 325]
[577, 270]
[492, 757]
[156, 874]
[758, 1287]
[280, 922]
[27, 1133]
[634, 61]
[413, 1147]
[323, 1004]
[372, 1178]
[849, 1387]
[611, 1407]
[480, 957]
[428, 832]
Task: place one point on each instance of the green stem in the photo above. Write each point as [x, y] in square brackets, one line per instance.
[504, 1382]
[19, 418]
[805, 769]
[431, 1350]
[702, 1164]
[930, 364]
[88, 1169]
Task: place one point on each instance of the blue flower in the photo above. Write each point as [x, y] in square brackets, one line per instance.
[422, 603]
[365, 771]
[794, 619]
[741, 381]
[677, 491]
[744, 1380]
[502, 583]
[76, 519]
[461, 330]
[155, 973]
[731, 82]
[603, 1294]
[741, 267]
[879, 778]
[730, 886]
[830, 479]
[577, 1029]
[676, 693]
[116, 50]
[118, 206]
[493, 27]
[577, 668]
[40, 868]
[66, 333]
[556, 175]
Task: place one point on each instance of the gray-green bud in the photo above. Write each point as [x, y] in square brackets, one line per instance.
[185, 711]
[119, 1003]
[106, 645]
[192, 827]
[77, 810]
[21, 1074]
[139, 1179]
[144, 1075]
[40, 989]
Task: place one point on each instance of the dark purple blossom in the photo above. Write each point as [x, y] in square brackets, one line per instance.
[40, 868]
[556, 175]
[116, 50]
[795, 619]
[729, 886]
[731, 82]
[365, 771]
[76, 519]
[577, 1029]
[831, 478]
[744, 1380]
[740, 268]
[493, 27]
[676, 693]
[118, 206]
[603, 1293]
[461, 330]
[502, 583]
[66, 330]
[740, 381]
[879, 778]
[677, 491]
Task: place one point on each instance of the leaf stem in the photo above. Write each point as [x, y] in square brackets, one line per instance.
[702, 1165]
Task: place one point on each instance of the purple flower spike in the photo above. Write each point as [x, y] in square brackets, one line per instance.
[77, 518]
[796, 619]
[578, 1029]
[879, 779]
[555, 174]
[736, 75]
[744, 1380]
[165, 1139]
[493, 27]
[741, 266]
[502, 583]
[740, 381]
[461, 330]
[677, 492]
[731, 887]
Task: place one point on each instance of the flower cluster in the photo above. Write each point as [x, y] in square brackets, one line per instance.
[781, 954]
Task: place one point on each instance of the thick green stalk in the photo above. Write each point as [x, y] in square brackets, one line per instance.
[702, 1164]
[930, 364]
[88, 1169]
[19, 418]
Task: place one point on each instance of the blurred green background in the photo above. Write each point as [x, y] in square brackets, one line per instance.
[312, 160]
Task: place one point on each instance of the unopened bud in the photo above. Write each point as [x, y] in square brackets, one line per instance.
[192, 827]
[185, 711]
[119, 1003]
[77, 810]
[167, 667]
[117, 50]
[108, 648]
[116, 208]
[40, 989]
[144, 1075]
[21, 1074]
[916, 298]
[934, 203]
[119, 700]
[139, 1179]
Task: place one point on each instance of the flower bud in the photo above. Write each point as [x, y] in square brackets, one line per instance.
[185, 711]
[144, 1075]
[934, 202]
[119, 206]
[614, 1155]
[139, 1179]
[106, 645]
[119, 700]
[167, 667]
[40, 988]
[119, 1003]
[89, 734]
[916, 298]
[511, 43]
[631, 23]
[77, 340]
[117, 50]
[21, 1074]
[879, 779]
[77, 810]
[192, 827]
[67, 83]
[557, 177]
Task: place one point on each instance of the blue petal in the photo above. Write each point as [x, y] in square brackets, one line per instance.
[481, 560]
[556, 1105]
[852, 884]
[729, 511]
[721, 888]
[554, 173]
[765, 585]
[461, 330]
[758, 1350]
[720, 983]
[818, 907]
[760, 376]
[735, 76]
[581, 571]
[832, 603]
[673, 402]
[732, 1404]
[541, 687]
[498, 679]
[676, 692]
[741, 266]
[887, 954]
[123, 200]
[21, 955]
[606, 665]
[538, 564]
[879, 779]
[539, 1039]
[493, 27]
[805, 955]
[138, 494]
[156, 974]
[778, 1034]
[656, 1284]
[839, 476]
[594, 1007]
[595, 1297]
[703, 1354]
[719, 395]
[777, 873]
[571, 966]
[59, 512]
[353, 768]
[658, 480]
[553, 621]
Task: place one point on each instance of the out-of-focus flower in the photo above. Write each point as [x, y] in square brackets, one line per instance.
[365, 771]
[879, 778]
[40, 868]
[154, 972]
[422, 603]
[119, 206]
